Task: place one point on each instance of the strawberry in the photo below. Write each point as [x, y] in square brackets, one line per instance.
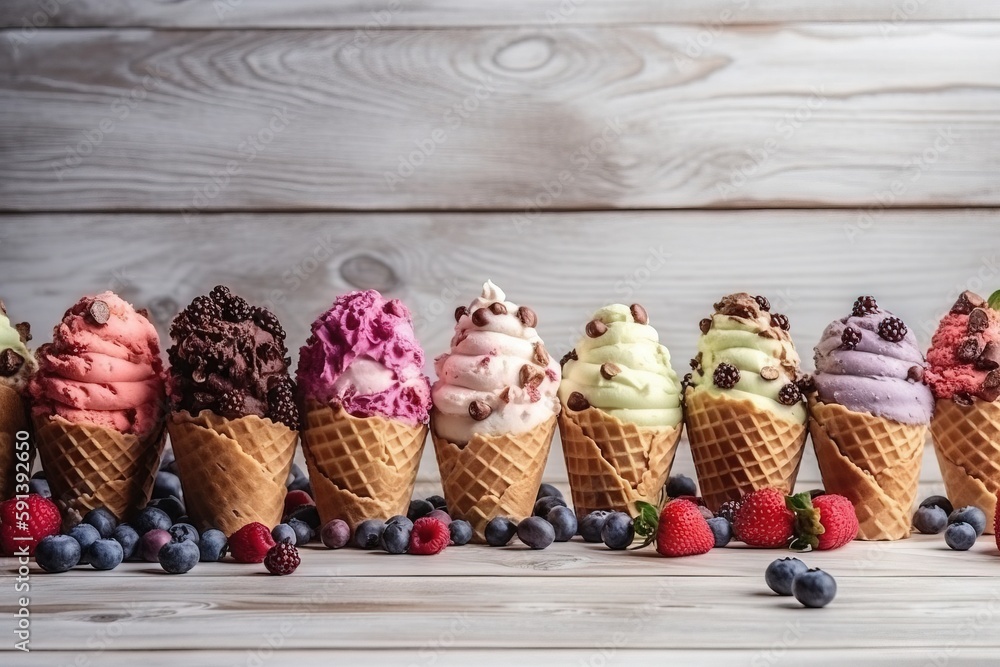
[428, 537]
[764, 520]
[682, 530]
[251, 543]
[839, 521]
[25, 521]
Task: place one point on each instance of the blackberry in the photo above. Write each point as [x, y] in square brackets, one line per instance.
[282, 558]
[726, 376]
[231, 405]
[790, 394]
[892, 329]
[762, 301]
[864, 305]
[850, 338]
[806, 384]
[220, 295]
[267, 321]
[728, 510]
[282, 407]
[780, 321]
[237, 310]
[202, 310]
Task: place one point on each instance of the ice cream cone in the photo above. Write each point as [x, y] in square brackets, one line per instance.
[738, 447]
[360, 468]
[13, 418]
[493, 475]
[967, 442]
[89, 466]
[873, 461]
[233, 470]
[612, 464]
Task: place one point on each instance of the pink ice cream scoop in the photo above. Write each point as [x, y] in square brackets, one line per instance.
[965, 352]
[364, 355]
[102, 367]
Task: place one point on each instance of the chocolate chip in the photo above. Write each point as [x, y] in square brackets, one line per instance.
[915, 374]
[479, 410]
[143, 312]
[610, 370]
[990, 358]
[541, 356]
[992, 379]
[10, 362]
[461, 312]
[696, 362]
[23, 331]
[987, 394]
[498, 308]
[762, 301]
[577, 402]
[505, 395]
[596, 328]
[780, 321]
[530, 376]
[967, 301]
[569, 356]
[969, 350]
[99, 312]
[806, 384]
[705, 325]
[480, 318]
[962, 398]
[639, 314]
[979, 321]
[769, 373]
[527, 316]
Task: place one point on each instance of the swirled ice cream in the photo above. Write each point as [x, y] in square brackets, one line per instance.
[17, 363]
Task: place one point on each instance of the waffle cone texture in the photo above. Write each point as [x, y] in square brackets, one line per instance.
[13, 418]
[233, 470]
[967, 443]
[874, 462]
[89, 466]
[360, 467]
[493, 475]
[611, 464]
[739, 448]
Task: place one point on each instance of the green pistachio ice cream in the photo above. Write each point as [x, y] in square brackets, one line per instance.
[621, 368]
[17, 364]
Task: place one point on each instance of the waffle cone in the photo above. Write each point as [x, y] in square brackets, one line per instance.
[967, 442]
[493, 475]
[874, 462]
[233, 470]
[611, 464]
[739, 448]
[360, 468]
[89, 466]
[13, 418]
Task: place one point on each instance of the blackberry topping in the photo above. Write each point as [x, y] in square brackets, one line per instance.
[267, 321]
[726, 376]
[850, 338]
[728, 510]
[237, 310]
[281, 400]
[864, 305]
[780, 321]
[230, 405]
[806, 384]
[892, 329]
[221, 295]
[762, 301]
[789, 394]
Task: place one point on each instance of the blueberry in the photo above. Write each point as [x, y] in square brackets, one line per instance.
[284, 533]
[960, 536]
[151, 543]
[939, 501]
[441, 516]
[618, 531]
[302, 484]
[544, 505]
[419, 508]
[103, 520]
[681, 485]
[179, 557]
[781, 573]
[814, 588]
[169, 461]
[126, 536]
[549, 491]
[183, 531]
[438, 502]
[172, 506]
[500, 531]
[722, 529]
[368, 533]
[461, 532]
[336, 534]
[213, 546]
[57, 553]
[151, 518]
[105, 554]
[396, 538]
[536, 532]
[39, 486]
[167, 484]
[591, 525]
[303, 531]
[563, 521]
[399, 518]
[86, 535]
[930, 519]
[307, 513]
[970, 515]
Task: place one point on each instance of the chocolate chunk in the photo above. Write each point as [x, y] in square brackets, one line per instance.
[505, 395]
[461, 312]
[705, 325]
[990, 358]
[762, 301]
[992, 379]
[969, 350]
[531, 376]
[806, 384]
[780, 321]
[479, 410]
[569, 356]
[541, 356]
[639, 314]
[988, 394]
[962, 398]
[915, 374]
[738, 310]
[596, 328]
[3, 307]
[696, 362]
[480, 318]
[23, 331]
[498, 308]
[610, 370]
[10, 362]
[577, 402]
[527, 316]
[979, 321]
[99, 312]
[967, 301]
[769, 373]
[143, 312]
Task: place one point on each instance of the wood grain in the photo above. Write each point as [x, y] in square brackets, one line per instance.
[502, 119]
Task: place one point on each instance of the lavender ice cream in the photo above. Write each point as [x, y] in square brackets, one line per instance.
[870, 362]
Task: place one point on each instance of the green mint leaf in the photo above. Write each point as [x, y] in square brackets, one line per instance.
[994, 300]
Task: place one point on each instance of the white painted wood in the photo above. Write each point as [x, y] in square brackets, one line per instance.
[804, 114]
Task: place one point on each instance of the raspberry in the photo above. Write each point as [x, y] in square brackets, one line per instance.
[790, 394]
[762, 301]
[429, 537]
[864, 305]
[726, 376]
[251, 543]
[282, 559]
[850, 338]
[892, 329]
[780, 321]
[26, 525]
[295, 499]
